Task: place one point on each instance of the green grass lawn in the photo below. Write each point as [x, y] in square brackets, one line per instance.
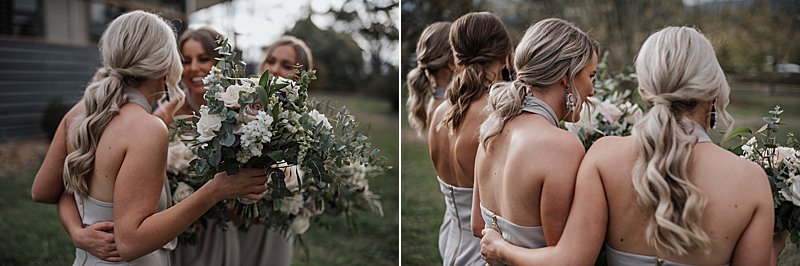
[423, 205]
[31, 234]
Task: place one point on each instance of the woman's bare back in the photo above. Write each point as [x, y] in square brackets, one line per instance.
[734, 189]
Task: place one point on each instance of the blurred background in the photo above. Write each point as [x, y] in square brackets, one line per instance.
[757, 43]
[49, 53]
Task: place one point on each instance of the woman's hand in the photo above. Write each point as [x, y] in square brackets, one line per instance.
[248, 183]
[491, 243]
[96, 241]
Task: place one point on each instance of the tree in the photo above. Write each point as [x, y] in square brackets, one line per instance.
[337, 58]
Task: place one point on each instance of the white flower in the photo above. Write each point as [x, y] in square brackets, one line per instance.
[213, 74]
[749, 148]
[182, 192]
[178, 158]
[782, 153]
[254, 134]
[299, 224]
[320, 118]
[292, 205]
[792, 192]
[609, 111]
[231, 95]
[290, 90]
[291, 174]
[207, 124]
[358, 176]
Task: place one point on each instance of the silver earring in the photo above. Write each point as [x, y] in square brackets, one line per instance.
[570, 101]
[713, 121]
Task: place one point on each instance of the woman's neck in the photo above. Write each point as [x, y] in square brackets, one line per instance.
[443, 78]
[553, 97]
[151, 89]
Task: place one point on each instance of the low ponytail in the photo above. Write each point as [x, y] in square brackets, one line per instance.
[676, 69]
[505, 101]
[102, 100]
[662, 183]
[434, 55]
[478, 39]
[419, 93]
[135, 47]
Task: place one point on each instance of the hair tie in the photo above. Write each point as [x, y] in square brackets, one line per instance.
[661, 101]
[113, 73]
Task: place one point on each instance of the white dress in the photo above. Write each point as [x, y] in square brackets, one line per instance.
[93, 211]
[523, 236]
[457, 245]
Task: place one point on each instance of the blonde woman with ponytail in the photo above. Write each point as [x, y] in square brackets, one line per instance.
[526, 165]
[481, 46]
[116, 150]
[666, 195]
[428, 81]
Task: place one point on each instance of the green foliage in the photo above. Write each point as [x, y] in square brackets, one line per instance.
[51, 116]
[781, 163]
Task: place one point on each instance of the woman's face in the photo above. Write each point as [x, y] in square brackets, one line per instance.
[196, 65]
[583, 83]
[281, 61]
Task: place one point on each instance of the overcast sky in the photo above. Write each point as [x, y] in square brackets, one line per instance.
[259, 23]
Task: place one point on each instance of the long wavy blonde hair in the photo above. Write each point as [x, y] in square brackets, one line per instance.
[135, 47]
[477, 40]
[433, 55]
[551, 49]
[677, 69]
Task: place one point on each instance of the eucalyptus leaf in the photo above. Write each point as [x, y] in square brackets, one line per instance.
[736, 133]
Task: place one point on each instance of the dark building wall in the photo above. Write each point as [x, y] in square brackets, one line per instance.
[34, 74]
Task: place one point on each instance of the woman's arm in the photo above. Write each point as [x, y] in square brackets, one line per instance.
[93, 239]
[755, 245]
[139, 228]
[48, 183]
[476, 219]
[558, 186]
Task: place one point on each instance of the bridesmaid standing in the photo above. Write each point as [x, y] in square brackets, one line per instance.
[260, 245]
[665, 195]
[114, 179]
[214, 246]
[526, 165]
[428, 81]
[481, 46]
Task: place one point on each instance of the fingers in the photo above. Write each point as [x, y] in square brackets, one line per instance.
[116, 258]
[485, 231]
[253, 172]
[102, 226]
[253, 196]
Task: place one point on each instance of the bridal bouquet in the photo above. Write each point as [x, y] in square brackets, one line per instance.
[265, 122]
[613, 111]
[182, 184]
[781, 162]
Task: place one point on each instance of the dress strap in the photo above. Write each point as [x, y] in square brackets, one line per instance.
[537, 106]
[699, 132]
[438, 93]
[136, 96]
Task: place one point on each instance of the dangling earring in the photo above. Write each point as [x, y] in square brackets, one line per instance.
[713, 120]
[506, 74]
[570, 100]
[166, 90]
